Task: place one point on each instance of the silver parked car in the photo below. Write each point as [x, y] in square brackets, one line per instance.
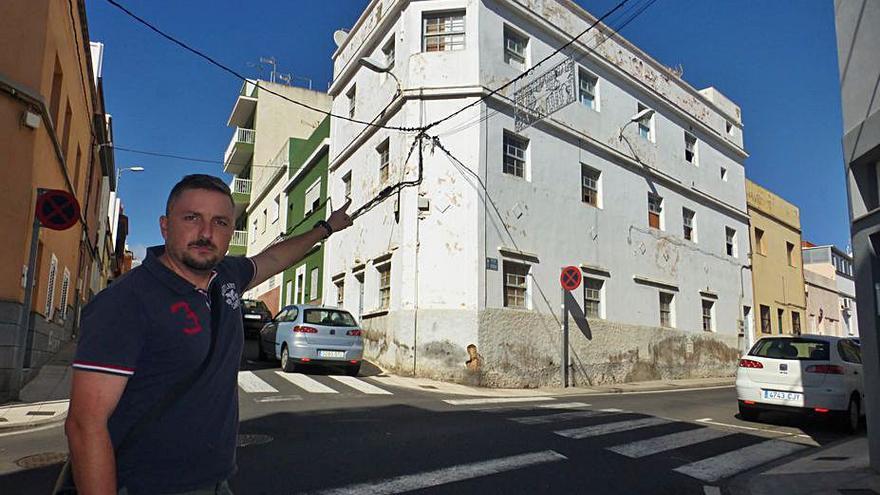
[304, 335]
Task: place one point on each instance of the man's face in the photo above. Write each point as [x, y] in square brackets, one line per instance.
[198, 228]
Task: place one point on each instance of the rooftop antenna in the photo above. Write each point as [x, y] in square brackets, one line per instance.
[270, 61]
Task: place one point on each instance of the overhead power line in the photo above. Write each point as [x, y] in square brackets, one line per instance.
[240, 76]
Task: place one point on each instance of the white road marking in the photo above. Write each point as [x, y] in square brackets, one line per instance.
[410, 482]
[306, 383]
[663, 443]
[361, 385]
[553, 418]
[721, 466]
[277, 398]
[564, 405]
[608, 428]
[252, 384]
[495, 400]
[709, 421]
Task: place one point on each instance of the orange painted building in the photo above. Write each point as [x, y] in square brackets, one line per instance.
[54, 134]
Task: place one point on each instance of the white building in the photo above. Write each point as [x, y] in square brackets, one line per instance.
[656, 220]
[258, 157]
[833, 263]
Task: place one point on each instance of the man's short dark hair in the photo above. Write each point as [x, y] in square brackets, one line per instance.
[198, 181]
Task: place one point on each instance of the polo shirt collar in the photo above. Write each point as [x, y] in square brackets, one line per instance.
[167, 275]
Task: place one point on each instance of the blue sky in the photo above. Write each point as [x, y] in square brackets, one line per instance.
[777, 60]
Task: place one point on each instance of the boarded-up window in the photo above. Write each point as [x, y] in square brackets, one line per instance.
[65, 287]
[515, 286]
[666, 309]
[49, 310]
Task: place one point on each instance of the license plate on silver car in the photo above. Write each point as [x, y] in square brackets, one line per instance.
[331, 354]
[780, 395]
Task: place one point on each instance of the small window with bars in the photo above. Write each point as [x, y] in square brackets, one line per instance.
[515, 155]
[590, 185]
[443, 32]
[666, 310]
[593, 297]
[352, 100]
[383, 153]
[655, 211]
[730, 241]
[708, 309]
[515, 285]
[346, 183]
[50, 288]
[690, 148]
[689, 224]
[587, 89]
[340, 292]
[765, 319]
[515, 46]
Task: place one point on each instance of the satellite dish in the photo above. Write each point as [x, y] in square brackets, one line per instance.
[340, 36]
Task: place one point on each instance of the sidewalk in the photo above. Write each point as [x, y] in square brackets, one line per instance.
[44, 399]
[841, 468]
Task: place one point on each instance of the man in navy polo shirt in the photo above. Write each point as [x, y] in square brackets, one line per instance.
[151, 330]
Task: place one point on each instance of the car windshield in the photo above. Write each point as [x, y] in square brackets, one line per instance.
[255, 305]
[329, 317]
[796, 348]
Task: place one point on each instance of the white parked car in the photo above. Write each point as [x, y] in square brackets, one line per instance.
[817, 374]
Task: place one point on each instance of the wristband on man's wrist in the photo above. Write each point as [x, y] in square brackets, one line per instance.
[325, 225]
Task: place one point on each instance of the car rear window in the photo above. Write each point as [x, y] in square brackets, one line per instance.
[329, 317]
[255, 305]
[796, 348]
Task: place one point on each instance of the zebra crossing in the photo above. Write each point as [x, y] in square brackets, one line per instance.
[605, 423]
[269, 382]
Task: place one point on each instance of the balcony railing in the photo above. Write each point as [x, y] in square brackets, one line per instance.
[240, 150]
[239, 238]
[241, 186]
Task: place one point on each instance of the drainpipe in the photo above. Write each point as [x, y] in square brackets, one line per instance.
[742, 295]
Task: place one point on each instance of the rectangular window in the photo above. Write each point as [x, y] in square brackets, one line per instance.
[312, 198]
[655, 210]
[352, 98]
[49, 310]
[313, 284]
[340, 292]
[276, 208]
[388, 52]
[65, 139]
[515, 49]
[780, 315]
[65, 287]
[384, 285]
[346, 184]
[382, 151]
[590, 185]
[646, 123]
[759, 241]
[515, 155]
[55, 98]
[728, 128]
[254, 234]
[443, 32]
[724, 174]
[708, 309]
[689, 224]
[690, 148]
[587, 85]
[666, 310]
[593, 297]
[765, 319]
[515, 285]
[730, 241]
[795, 323]
[789, 250]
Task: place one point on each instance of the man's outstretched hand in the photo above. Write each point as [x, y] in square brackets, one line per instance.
[339, 219]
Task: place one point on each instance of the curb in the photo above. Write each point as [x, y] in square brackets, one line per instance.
[32, 415]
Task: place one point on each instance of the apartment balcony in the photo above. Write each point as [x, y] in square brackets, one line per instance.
[238, 245]
[245, 105]
[241, 194]
[240, 150]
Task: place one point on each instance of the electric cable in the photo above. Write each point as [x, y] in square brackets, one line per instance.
[238, 75]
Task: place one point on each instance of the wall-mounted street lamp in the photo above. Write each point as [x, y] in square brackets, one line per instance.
[119, 174]
[382, 68]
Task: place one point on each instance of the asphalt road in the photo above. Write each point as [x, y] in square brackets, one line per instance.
[322, 433]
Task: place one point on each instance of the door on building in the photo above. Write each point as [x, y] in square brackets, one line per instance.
[359, 277]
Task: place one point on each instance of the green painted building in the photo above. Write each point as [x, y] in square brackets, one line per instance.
[306, 191]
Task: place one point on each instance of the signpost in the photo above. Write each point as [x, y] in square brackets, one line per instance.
[570, 279]
[56, 210]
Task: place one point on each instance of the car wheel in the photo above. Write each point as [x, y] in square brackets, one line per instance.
[353, 370]
[287, 364]
[748, 413]
[850, 419]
